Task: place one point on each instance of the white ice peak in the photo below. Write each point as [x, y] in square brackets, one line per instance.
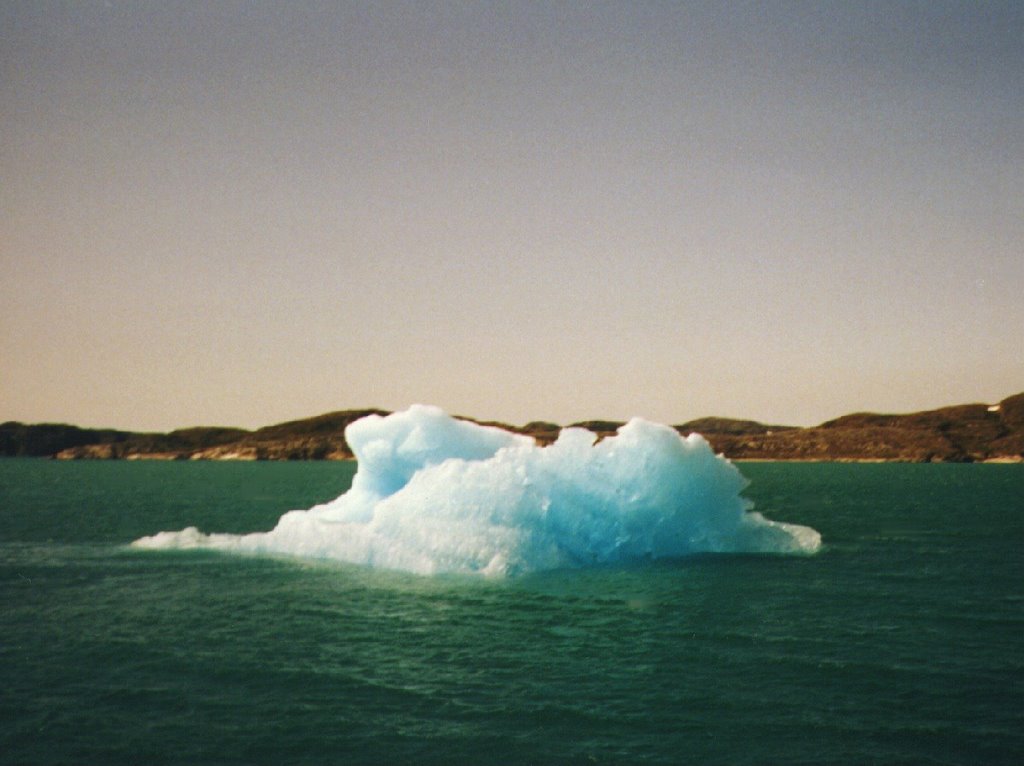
[435, 494]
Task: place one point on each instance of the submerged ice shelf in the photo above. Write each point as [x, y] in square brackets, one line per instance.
[434, 494]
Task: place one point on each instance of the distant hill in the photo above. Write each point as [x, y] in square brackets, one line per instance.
[47, 439]
[52, 439]
[962, 433]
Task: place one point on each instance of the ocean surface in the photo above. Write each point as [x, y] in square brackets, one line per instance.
[901, 642]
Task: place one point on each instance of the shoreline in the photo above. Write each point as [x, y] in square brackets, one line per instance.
[171, 458]
[965, 433]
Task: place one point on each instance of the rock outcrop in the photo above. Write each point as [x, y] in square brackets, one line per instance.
[963, 433]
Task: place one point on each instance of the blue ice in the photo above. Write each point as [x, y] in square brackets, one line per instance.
[434, 494]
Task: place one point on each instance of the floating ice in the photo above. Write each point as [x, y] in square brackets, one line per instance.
[433, 494]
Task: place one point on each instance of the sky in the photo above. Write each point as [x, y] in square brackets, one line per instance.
[240, 213]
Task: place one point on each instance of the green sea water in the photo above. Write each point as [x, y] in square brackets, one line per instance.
[902, 642]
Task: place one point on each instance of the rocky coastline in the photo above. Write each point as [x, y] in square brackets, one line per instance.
[962, 433]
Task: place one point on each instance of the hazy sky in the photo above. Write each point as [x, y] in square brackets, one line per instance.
[239, 213]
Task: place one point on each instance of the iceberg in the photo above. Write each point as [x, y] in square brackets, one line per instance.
[433, 494]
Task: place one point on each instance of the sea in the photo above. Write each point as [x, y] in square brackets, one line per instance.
[900, 642]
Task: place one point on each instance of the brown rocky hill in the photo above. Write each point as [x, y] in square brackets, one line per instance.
[962, 433]
[317, 438]
[50, 439]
